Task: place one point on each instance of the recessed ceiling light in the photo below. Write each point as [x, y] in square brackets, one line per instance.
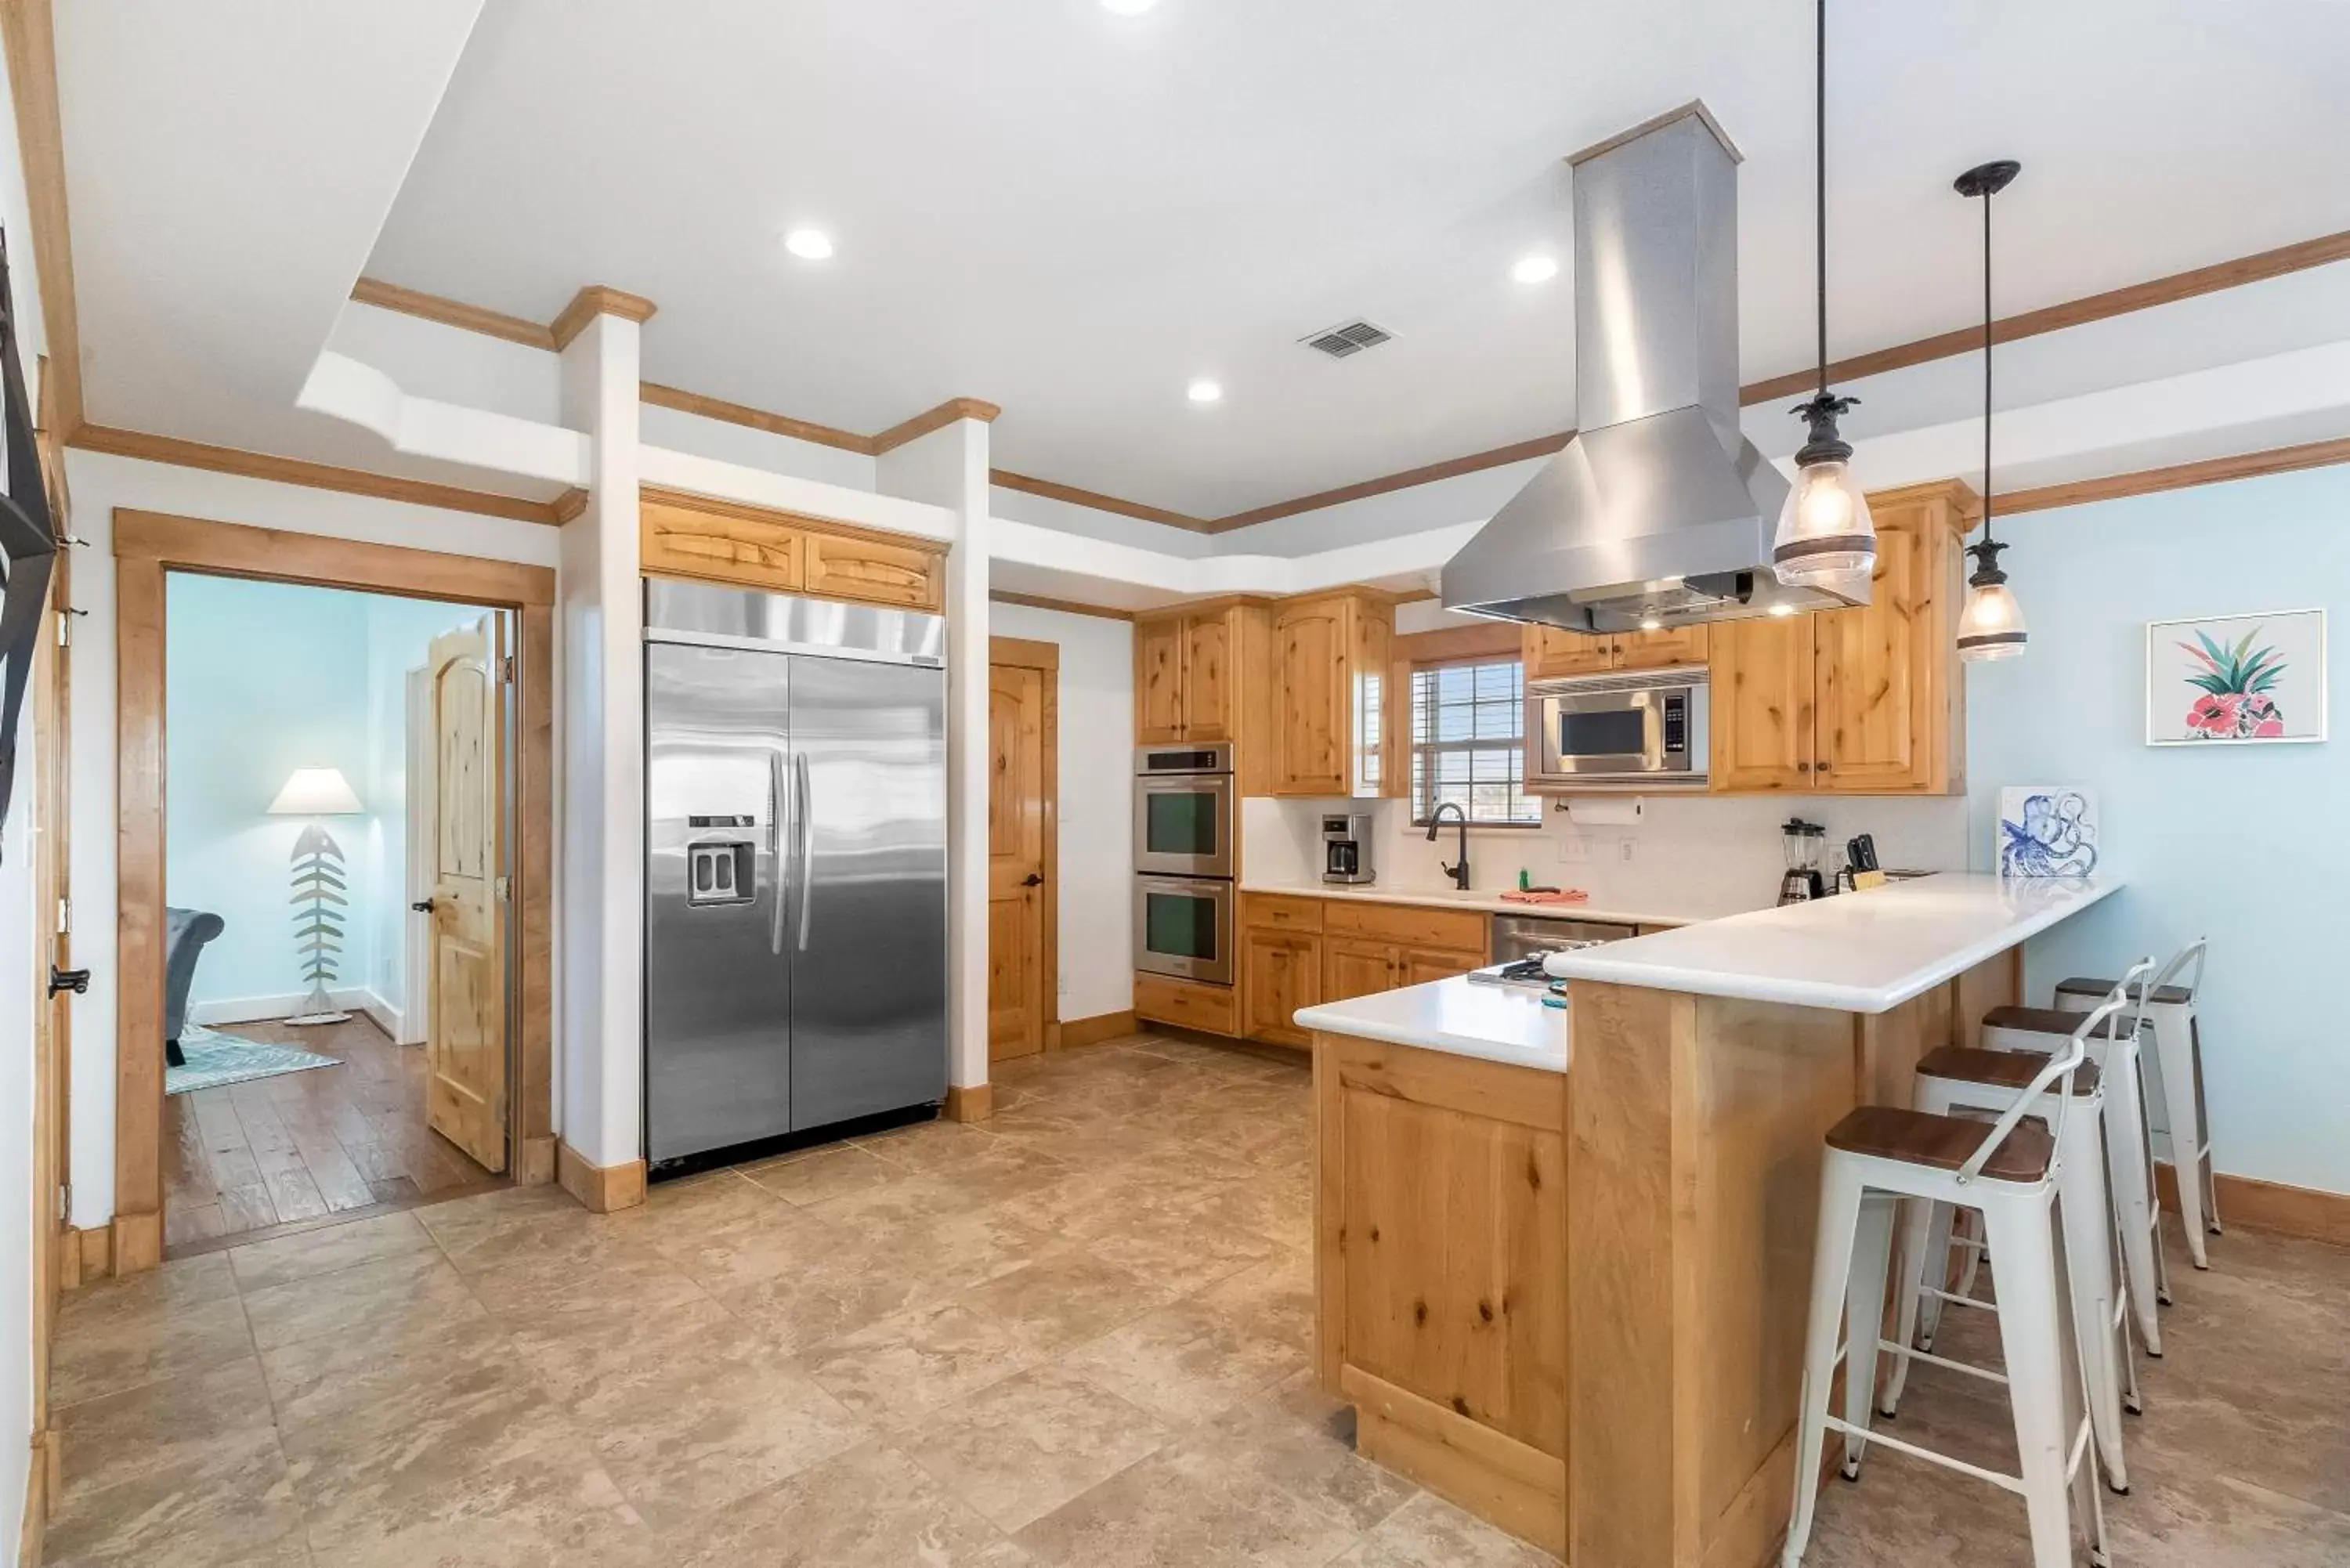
[1204, 391]
[809, 244]
[1128, 7]
[1534, 269]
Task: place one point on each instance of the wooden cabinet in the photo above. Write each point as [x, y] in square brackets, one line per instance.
[1855, 701]
[684, 536]
[1188, 672]
[1210, 1009]
[1333, 733]
[1548, 651]
[1354, 966]
[1280, 971]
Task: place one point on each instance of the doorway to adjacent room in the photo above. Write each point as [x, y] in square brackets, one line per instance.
[1022, 833]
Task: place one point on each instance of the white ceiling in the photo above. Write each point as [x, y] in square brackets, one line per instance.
[1071, 213]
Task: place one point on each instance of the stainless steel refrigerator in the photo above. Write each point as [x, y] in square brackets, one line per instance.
[796, 866]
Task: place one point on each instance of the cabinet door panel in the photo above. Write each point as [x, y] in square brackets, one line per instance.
[1550, 651]
[1281, 972]
[1209, 691]
[1762, 704]
[685, 541]
[1311, 720]
[1877, 695]
[1357, 968]
[1157, 681]
[1421, 965]
[1662, 649]
[877, 573]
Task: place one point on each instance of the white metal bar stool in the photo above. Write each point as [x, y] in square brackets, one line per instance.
[2129, 1158]
[1955, 1079]
[2008, 1169]
[2178, 1059]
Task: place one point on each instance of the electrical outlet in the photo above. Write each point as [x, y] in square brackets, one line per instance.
[1574, 849]
[1623, 850]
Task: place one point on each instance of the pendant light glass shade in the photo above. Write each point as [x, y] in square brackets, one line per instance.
[1825, 534]
[1992, 625]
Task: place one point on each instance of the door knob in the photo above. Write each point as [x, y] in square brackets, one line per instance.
[422, 906]
[1034, 880]
[74, 980]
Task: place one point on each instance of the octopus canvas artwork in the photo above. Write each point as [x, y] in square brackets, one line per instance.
[2046, 830]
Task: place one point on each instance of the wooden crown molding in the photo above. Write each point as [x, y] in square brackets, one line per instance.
[316, 475]
[687, 403]
[1452, 468]
[1067, 607]
[593, 301]
[453, 313]
[29, 34]
[938, 419]
[1097, 499]
[2178, 476]
[569, 504]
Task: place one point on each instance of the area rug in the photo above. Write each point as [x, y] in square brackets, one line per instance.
[215, 1058]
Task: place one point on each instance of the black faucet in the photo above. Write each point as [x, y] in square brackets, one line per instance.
[1459, 873]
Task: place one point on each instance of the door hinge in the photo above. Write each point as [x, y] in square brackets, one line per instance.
[505, 669]
[64, 625]
[64, 1202]
[499, 886]
[64, 915]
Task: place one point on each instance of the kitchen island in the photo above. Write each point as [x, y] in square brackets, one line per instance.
[1563, 1257]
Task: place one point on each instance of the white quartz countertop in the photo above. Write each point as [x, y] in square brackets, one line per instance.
[1857, 953]
[1489, 903]
[1497, 1022]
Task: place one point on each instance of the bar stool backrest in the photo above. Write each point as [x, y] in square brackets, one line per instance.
[2136, 984]
[2191, 954]
[2060, 1065]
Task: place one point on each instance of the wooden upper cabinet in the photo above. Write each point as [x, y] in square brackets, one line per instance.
[1211, 689]
[682, 535]
[1550, 652]
[1890, 695]
[1159, 682]
[1762, 704]
[1333, 729]
[1663, 650]
[851, 567]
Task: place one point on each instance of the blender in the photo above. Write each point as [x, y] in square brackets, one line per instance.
[1806, 844]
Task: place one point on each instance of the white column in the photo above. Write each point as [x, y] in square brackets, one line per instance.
[948, 468]
[599, 945]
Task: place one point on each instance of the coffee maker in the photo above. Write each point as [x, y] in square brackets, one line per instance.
[1347, 847]
[1806, 844]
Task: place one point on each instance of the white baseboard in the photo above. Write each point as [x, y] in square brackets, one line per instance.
[388, 1018]
[256, 1009]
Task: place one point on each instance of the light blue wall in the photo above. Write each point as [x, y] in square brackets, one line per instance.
[262, 679]
[2248, 844]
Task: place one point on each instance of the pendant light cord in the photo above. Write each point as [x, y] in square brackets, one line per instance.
[1986, 340]
[1820, 184]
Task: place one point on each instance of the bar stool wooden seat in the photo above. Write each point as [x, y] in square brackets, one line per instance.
[2010, 1170]
[1956, 1079]
[2179, 1062]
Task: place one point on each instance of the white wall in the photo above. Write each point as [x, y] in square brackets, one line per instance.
[1096, 802]
[100, 483]
[1692, 856]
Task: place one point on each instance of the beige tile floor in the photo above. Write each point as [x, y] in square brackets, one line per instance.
[1076, 1336]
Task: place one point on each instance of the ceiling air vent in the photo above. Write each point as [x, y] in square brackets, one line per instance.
[1351, 338]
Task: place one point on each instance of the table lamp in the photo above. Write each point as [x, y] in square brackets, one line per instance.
[320, 884]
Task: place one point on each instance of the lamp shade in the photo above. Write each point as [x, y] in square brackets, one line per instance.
[316, 792]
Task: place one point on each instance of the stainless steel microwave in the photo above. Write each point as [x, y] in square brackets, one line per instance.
[1647, 728]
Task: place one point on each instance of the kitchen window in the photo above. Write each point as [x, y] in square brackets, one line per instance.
[1467, 743]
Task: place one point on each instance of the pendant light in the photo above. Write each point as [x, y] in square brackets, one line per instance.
[1992, 625]
[1826, 535]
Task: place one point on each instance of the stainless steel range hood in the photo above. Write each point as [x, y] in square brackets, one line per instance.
[1659, 510]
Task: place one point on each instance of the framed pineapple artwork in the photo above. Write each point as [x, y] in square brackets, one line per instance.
[2236, 680]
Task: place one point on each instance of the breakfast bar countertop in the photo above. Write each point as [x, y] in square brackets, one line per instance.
[1857, 953]
[1460, 1016]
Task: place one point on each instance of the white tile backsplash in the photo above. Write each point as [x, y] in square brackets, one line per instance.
[1701, 853]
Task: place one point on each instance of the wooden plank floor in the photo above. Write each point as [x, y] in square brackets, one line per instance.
[306, 1146]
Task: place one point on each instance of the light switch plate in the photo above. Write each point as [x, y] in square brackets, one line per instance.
[1574, 849]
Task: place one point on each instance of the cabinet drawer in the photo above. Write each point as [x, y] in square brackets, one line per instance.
[685, 541]
[842, 567]
[1278, 912]
[1462, 930]
[1215, 1009]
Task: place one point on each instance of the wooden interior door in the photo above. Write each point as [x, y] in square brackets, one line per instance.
[49, 795]
[1762, 704]
[465, 1050]
[1018, 995]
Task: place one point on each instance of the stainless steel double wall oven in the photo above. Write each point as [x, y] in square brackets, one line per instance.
[1186, 827]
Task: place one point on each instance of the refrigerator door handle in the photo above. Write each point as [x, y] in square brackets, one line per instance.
[807, 805]
[775, 847]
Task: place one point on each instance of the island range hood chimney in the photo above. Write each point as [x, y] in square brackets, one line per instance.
[1657, 511]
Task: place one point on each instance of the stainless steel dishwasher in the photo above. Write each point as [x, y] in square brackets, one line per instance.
[1525, 936]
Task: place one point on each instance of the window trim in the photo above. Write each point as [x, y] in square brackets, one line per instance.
[1411, 748]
